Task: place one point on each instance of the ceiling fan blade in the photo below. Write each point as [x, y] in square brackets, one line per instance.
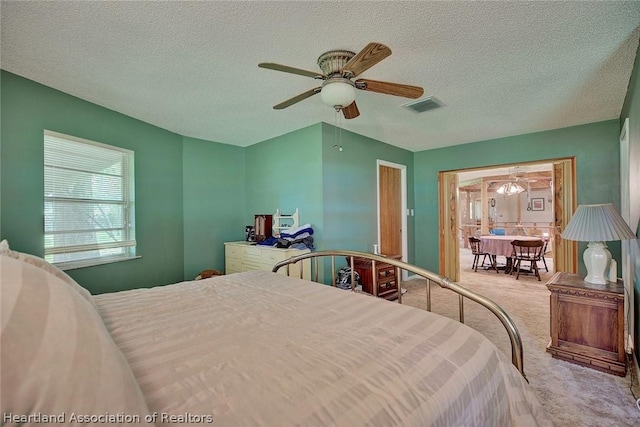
[289, 102]
[292, 70]
[366, 58]
[351, 111]
[390, 88]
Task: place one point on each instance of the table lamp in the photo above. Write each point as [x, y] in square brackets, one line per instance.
[597, 224]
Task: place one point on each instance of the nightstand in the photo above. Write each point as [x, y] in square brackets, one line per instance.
[382, 282]
[587, 323]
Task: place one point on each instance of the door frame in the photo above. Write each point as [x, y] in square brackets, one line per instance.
[403, 204]
[564, 196]
[628, 266]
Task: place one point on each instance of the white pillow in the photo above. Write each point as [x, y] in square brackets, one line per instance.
[57, 355]
[48, 267]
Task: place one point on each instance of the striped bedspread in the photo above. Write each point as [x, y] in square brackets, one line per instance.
[261, 349]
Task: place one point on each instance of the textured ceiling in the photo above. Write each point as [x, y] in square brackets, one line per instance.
[500, 68]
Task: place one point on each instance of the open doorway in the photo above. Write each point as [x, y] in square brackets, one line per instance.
[481, 217]
[514, 201]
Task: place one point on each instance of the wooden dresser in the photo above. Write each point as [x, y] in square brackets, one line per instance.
[382, 282]
[587, 323]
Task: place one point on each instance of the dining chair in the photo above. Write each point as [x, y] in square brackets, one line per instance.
[477, 253]
[544, 251]
[528, 251]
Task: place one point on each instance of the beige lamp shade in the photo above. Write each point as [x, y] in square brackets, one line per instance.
[600, 223]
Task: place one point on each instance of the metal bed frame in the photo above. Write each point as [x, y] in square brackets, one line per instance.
[443, 282]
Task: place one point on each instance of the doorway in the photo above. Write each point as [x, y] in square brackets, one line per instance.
[392, 202]
[562, 201]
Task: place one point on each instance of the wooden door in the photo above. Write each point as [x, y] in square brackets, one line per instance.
[565, 252]
[449, 223]
[390, 206]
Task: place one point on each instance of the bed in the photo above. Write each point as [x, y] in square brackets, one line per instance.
[246, 349]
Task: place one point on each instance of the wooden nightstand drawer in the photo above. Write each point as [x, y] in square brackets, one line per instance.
[386, 286]
[386, 272]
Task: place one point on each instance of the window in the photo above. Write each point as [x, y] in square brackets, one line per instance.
[88, 202]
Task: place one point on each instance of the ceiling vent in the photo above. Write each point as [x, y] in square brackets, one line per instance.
[424, 104]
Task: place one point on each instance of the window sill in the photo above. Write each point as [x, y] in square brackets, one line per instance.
[72, 265]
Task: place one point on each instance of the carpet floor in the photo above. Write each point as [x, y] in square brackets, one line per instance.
[572, 395]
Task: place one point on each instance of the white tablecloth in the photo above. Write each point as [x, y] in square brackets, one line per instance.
[501, 245]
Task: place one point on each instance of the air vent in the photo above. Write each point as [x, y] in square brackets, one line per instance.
[424, 104]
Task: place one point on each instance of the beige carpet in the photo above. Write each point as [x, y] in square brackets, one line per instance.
[571, 394]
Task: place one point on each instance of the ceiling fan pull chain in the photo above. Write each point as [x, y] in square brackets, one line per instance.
[337, 134]
[339, 117]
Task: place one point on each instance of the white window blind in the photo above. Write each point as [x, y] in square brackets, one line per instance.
[88, 202]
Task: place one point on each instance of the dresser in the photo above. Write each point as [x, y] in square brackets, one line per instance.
[381, 282]
[587, 323]
[244, 256]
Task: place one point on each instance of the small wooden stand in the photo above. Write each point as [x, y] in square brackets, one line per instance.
[587, 323]
[382, 282]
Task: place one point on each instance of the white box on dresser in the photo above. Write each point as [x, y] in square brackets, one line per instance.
[244, 256]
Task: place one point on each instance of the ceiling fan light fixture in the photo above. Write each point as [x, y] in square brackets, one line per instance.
[510, 188]
[338, 92]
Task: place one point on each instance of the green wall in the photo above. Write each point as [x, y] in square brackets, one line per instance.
[349, 184]
[193, 195]
[214, 202]
[28, 108]
[595, 146]
[334, 190]
[286, 173]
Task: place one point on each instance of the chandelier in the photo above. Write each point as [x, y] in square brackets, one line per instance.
[510, 188]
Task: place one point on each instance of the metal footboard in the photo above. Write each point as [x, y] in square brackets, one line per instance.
[443, 282]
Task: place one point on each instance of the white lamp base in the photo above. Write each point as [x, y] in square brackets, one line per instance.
[597, 259]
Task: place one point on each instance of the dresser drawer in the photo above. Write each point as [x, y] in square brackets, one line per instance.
[233, 265]
[272, 257]
[233, 251]
[252, 254]
[249, 265]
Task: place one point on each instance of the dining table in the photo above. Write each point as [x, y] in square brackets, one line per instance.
[500, 245]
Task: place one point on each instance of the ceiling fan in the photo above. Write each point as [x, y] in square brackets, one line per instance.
[527, 177]
[339, 68]
[516, 180]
